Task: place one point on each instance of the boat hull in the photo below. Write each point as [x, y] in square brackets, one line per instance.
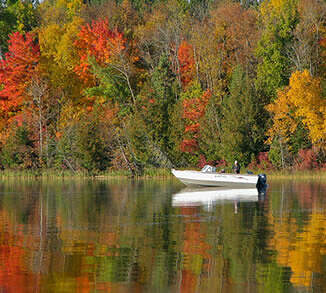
[197, 178]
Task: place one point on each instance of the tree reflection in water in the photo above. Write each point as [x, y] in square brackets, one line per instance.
[126, 236]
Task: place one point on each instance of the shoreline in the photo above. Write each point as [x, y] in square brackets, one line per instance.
[148, 173]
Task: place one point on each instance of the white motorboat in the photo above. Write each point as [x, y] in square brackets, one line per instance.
[207, 177]
[208, 196]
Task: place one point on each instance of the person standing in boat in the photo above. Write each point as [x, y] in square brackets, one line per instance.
[236, 167]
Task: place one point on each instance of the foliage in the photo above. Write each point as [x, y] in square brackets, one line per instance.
[156, 102]
[241, 136]
[178, 157]
[108, 59]
[237, 35]
[187, 63]
[15, 16]
[278, 18]
[202, 162]
[194, 102]
[278, 153]
[210, 130]
[84, 142]
[307, 159]
[162, 97]
[305, 52]
[16, 71]
[163, 83]
[261, 162]
[19, 152]
[59, 57]
[92, 153]
[301, 101]
[99, 41]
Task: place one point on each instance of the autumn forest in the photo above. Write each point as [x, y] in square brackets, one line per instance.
[128, 84]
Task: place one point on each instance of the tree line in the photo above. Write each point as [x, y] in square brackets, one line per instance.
[98, 85]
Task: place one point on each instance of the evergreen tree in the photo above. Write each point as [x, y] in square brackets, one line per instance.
[93, 154]
[165, 91]
[241, 135]
[158, 99]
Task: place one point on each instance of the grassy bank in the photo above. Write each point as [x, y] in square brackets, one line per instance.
[49, 173]
[297, 175]
[148, 173]
[29, 173]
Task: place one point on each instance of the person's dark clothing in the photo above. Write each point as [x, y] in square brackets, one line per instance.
[236, 168]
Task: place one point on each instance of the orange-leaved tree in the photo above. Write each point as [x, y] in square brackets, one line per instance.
[107, 58]
[99, 41]
[16, 71]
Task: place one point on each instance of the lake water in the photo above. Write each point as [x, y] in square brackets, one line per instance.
[146, 236]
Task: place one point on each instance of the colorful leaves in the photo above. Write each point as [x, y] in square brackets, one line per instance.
[99, 41]
[301, 101]
[193, 110]
[16, 70]
[95, 54]
[187, 63]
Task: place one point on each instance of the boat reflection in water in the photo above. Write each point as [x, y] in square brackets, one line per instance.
[210, 196]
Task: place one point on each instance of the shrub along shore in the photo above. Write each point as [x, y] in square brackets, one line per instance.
[159, 173]
[48, 173]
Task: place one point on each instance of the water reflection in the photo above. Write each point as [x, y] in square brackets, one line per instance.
[208, 197]
[151, 236]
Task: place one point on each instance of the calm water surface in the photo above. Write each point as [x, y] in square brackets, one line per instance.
[153, 236]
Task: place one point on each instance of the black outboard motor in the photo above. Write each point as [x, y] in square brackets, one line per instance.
[261, 183]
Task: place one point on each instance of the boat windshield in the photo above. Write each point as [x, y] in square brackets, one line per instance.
[208, 168]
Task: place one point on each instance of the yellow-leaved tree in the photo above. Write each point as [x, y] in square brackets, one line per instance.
[301, 101]
[59, 56]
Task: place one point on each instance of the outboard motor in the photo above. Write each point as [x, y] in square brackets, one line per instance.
[261, 183]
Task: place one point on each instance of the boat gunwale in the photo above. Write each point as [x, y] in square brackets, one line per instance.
[216, 173]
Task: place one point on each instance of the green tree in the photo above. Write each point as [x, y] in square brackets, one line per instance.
[15, 15]
[19, 150]
[150, 127]
[93, 154]
[241, 135]
[110, 87]
[210, 130]
[278, 19]
[163, 97]
[85, 143]
[178, 157]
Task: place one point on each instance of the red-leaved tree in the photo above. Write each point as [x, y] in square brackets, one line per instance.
[307, 159]
[193, 111]
[187, 63]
